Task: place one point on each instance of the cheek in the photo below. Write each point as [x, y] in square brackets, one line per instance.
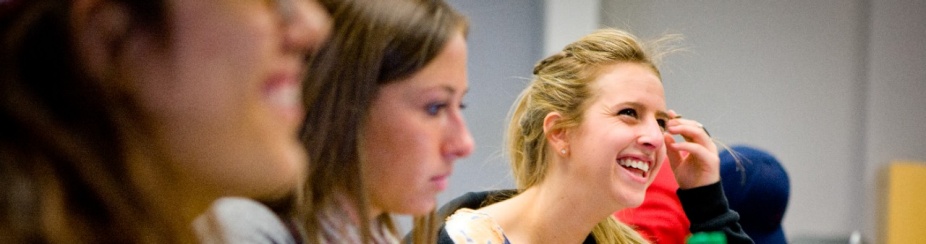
[390, 147]
[396, 152]
[396, 175]
[611, 140]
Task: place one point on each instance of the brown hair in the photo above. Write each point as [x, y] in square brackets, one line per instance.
[68, 140]
[562, 84]
[373, 43]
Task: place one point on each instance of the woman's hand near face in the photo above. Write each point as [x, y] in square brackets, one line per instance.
[701, 165]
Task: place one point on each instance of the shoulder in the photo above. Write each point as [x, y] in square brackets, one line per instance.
[240, 220]
[474, 200]
[471, 226]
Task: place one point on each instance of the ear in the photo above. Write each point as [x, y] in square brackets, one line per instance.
[100, 29]
[556, 136]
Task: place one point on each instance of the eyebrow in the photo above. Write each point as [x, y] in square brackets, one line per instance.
[454, 91]
[659, 113]
[662, 114]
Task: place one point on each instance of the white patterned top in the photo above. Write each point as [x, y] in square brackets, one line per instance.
[471, 227]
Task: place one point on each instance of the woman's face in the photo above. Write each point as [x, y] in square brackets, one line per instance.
[621, 133]
[414, 132]
[226, 96]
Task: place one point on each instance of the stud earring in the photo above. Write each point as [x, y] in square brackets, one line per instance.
[563, 151]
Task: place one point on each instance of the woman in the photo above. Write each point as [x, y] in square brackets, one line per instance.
[384, 122]
[123, 120]
[587, 137]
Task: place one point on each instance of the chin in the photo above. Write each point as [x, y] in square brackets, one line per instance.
[635, 203]
[420, 209]
[631, 201]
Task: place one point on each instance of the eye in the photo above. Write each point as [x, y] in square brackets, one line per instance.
[628, 111]
[434, 108]
[662, 124]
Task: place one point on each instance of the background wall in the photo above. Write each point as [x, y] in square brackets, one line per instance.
[895, 105]
[835, 89]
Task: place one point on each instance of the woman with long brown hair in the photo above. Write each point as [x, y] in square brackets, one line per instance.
[384, 122]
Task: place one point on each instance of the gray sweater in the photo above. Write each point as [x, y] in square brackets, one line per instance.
[241, 220]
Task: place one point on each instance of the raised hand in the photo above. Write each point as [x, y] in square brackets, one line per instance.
[701, 165]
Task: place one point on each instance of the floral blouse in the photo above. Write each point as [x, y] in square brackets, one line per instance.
[471, 226]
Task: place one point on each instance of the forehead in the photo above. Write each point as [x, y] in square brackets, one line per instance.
[629, 82]
[448, 68]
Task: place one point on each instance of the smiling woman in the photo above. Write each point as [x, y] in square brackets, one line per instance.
[123, 120]
[587, 137]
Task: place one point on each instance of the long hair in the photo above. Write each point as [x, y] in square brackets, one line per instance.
[562, 84]
[68, 141]
[373, 43]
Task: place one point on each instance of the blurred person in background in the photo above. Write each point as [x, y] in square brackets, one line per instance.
[758, 188]
[123, 120]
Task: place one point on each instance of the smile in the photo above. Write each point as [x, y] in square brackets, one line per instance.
[636, 166]
[283, 91]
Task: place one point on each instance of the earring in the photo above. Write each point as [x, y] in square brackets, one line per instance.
[563, 151]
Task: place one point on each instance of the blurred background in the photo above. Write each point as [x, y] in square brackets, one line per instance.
[836, 89]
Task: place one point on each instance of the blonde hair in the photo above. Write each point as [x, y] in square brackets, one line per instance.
[562, 84]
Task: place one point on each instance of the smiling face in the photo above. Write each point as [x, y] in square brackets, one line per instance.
[621, 133]
[226, 98]
[414, 132]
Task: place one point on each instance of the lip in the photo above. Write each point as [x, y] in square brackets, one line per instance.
[282, 90]
[634, 176]
[440, 181]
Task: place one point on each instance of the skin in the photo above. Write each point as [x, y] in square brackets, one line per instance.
[414, 133]
[622, 122]
[223, 95]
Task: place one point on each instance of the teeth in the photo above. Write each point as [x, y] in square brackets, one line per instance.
[286, 96]
[634, 164]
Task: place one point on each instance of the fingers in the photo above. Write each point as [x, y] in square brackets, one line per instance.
[694, 149]
[675, 157]
[695, 160]
[673, 115]
[690, 130]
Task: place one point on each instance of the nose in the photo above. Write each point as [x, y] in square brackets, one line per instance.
[459, 143]
[307, 26]
[649, 135]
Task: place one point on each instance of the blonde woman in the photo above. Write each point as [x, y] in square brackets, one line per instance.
[587, 137]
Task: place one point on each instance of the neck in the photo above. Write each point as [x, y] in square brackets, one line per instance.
[181, 200]
[554, 211]
[170, 205]
[374, 213]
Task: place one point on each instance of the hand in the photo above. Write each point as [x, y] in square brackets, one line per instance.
[701, 166]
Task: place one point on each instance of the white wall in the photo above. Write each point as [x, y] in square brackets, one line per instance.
[896, 93]
[568, 20]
